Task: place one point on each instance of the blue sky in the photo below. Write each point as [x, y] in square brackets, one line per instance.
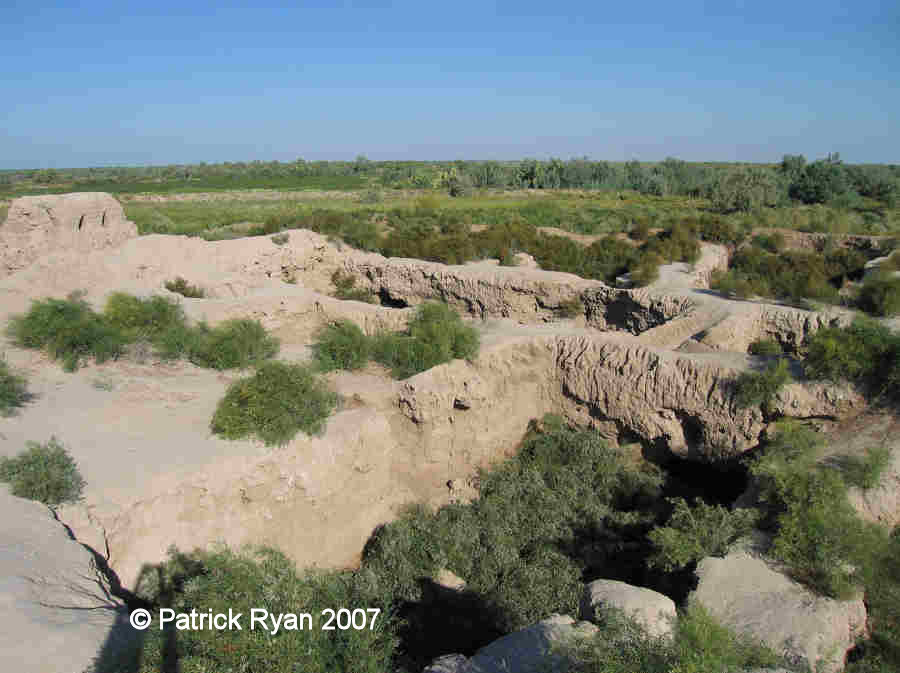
[111, 83]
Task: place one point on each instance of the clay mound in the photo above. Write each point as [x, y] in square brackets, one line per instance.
[37, 225]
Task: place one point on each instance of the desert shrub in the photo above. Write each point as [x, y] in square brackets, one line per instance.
[140, 319]
[341, 345]
[68, 329]
[759, 388]
[280, 239]
[701, 644]
[13, 389]
[263, 578]
[345, 288]
[571, 308]
[235, 343]
[516, 545]
[880, 295]
[640, 231]
[765, 347]
[817, 532]
[185, 289]
[435, 335]
[865, 472]
[696, 531]
[864, 352]
[274, 404]
[820, 182]
[43, 472]
[646, 271]
[718, 229]
[770, 242]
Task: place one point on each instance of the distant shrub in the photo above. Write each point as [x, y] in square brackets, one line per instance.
[341, 345]
[13, 389]
[280, 239]
[274, 404]
[345, 288]
[718, 229]
[765, 347]
[880, 295]
[571, 308]
[865, 472]
[646, 271]
[743, 189]
[235, 343]
[43, 472]
[865, 352]
[185, 289]
[695, 532]
[770, 242]
[68, 329]
[759, 388]
[640, 231]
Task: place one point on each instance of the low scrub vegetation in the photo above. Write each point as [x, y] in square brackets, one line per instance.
[865, 471]
[345, 288]
[43, 472]
[700, 645]
[274, 404]
[71, 331]
[13, 389]
[758, 388]
[765, 347]
[696, 531]
[880, 295]
[180, 286]
[435, 335]
[865, 353]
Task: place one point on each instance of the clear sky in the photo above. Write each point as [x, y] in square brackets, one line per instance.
[120, 82]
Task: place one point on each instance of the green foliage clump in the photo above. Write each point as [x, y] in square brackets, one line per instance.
[571, 308]
[43, 472]
[864, 352]
[880, 295]
[770, 242]
[185, 289]
[261, 578]
[342, 345]
[280, 239]
[865, 472]
[68, 329]
[754, 389]
[696, 531]
[435, 335]
[701, 644]
[818, 534]
[517, 545]
[234, 343]
[13, 389]
[274, 404]
[139, 319]
[345, 288]
[743, 189]
[765, 347]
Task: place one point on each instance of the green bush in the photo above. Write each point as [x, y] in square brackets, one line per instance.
[754, 389]
[770, 242]
[259, 578]
[865, 352]
[43, 472]
[185, 289]
[342, 345]
[13, 390]
[280, 239]
[517, 545]
[695, 532]
[701, 645]
[234, 343]
[345, 288]
[274, 404]
[765, 347]
[140, 319]
[435, 335]
[865, 472]
[743, 189]
[880, 295]
[818, 534]
[68, 329]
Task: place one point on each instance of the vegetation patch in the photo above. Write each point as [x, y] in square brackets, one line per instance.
[43, 472]
[345, 288]
[71, 331]
[180, 286]
[342, 345]
[274, 404]
[13, 389]
[880, 294]
[758, 389]
[765, 347]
